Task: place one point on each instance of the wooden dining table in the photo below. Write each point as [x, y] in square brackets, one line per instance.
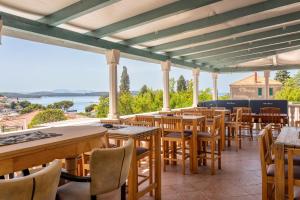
[288, 138]
[123, 132]
[196, 122]
[67, 143]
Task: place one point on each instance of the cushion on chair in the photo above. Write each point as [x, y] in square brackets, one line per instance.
[81, 191]
[178, 135]
[296, 159]
[141, 150]
[271, 171]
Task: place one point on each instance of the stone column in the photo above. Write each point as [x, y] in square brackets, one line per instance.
[196, 73]
[267, 76]
[112, 58]
[215, 87]
[165, 67]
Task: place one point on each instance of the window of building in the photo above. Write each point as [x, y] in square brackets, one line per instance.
[271, 91]
[259, 92]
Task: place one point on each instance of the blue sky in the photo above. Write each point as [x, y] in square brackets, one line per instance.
[27, 66]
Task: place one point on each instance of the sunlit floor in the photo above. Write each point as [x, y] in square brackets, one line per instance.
[239, 178]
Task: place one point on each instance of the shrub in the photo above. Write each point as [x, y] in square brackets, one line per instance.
[32, 107]
[46, 116]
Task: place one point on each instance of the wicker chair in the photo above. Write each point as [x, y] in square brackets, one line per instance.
[40, 185]
[109, 170]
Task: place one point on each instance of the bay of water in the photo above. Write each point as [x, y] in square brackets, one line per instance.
[80, 102]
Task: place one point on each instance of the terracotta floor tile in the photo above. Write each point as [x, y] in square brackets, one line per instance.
[239, 179]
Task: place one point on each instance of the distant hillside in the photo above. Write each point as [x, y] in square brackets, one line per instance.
[50, 94]
[54, 94]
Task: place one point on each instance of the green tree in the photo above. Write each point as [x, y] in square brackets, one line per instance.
[172, 83]
[24, 104]
[31, 108]
[46, 116]
[90, 108]
[282, 76]
[181, 84]
[205, 95]
[124, 82]
[290, 91]
[144, 89]
[63, 105]
[13, 105]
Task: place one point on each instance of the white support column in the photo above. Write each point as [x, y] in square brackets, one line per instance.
[215, 86]
[165, 67]
[267, 76]
[196, 73]
[112, 58]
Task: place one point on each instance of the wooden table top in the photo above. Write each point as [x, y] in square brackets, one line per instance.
[127, 131]
[69, 134]
[289, 137]
[184, 117]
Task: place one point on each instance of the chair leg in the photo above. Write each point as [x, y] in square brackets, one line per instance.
[173, 150]
[123, 192]
[150, 164]
[236, 138]
[229, 137]
[219, 154]
[240, 139]
[164, 156]
[264, 190]
[183, 157]
[199, 142]
[212, 146]
[204, 153]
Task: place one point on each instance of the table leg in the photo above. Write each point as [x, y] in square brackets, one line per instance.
[223, 132]
[157, 166]
[132, 177]
[71, 165]
[279, 171]
[194, 148]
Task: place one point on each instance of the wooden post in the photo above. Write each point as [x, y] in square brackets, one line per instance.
[279, 171]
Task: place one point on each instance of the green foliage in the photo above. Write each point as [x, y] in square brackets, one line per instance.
[290, 91]
[282, 76]
[32, 107]
[172, 83]
[90, 108]
[46, 116]
[124, 82]
[24, 104]
[63, 105]
[205, 95]
[126, 103]
[144, 89]
[102, 107]
[224, 97]
[13, 105]
[181, 84]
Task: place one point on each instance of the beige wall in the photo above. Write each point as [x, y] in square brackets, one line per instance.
[251, 92]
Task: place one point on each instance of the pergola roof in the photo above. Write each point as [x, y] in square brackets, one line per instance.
[212, 35]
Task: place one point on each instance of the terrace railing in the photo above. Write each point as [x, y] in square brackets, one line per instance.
[294, 113]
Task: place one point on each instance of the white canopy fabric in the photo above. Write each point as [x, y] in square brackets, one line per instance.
[190, 33]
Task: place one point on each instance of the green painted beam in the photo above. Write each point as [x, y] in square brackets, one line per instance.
[246, 52]
[35, 27]
[258, 68]
[246, 58]
[253, 38]
[152, 15]
[245, 48]
[210, 21]
[75, 10]
[229, 32]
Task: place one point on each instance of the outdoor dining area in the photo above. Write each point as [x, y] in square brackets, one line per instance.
[219, 149]
[128, 157]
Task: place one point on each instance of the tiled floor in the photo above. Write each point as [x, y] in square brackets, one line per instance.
[238, 179]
